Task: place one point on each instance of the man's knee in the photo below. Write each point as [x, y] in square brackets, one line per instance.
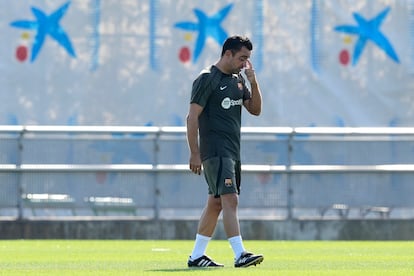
[230, 201]
[214, 204]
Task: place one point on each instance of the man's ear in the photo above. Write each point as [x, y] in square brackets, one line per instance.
[228, 53]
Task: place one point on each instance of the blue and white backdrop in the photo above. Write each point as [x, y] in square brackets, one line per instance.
[132, 62]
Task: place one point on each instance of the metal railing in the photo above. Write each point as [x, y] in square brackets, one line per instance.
[287, 136]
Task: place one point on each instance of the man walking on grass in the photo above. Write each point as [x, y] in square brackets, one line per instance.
[213, 135]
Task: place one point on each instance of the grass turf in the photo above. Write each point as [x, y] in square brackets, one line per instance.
[114, 257]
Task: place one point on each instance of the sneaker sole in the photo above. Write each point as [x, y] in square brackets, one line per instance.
[201, 266]
[203, 262]
[205, 267]
[254, 262]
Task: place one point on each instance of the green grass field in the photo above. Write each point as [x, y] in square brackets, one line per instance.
[98, 257]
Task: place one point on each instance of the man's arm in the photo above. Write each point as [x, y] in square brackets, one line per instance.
[254, 104]
[192, 137]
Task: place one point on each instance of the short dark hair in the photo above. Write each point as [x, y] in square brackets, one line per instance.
[235, 43]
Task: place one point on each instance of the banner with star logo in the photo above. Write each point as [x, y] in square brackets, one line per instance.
[132, 62]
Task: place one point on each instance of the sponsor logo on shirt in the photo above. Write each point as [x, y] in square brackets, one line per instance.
[227, 102]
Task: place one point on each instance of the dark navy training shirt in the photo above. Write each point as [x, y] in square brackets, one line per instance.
[221, 96]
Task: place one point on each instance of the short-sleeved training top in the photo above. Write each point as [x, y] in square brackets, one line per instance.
[221, 96]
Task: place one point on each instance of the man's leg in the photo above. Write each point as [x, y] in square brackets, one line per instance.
[229, 202]
[232, 228]
[209, 217]
[231, 222]
[206, 226]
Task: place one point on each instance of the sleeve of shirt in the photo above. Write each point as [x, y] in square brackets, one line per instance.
[201, 90]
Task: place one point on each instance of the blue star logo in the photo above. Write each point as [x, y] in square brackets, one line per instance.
[206, 27]
[46, 25]
[368, 30]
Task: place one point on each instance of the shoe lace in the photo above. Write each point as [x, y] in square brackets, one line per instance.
[244, 257]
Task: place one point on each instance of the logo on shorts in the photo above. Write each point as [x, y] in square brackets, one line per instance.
[228, 182]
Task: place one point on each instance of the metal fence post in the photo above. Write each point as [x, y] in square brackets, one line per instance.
[155, 174]
[289, 177]
[20, 190]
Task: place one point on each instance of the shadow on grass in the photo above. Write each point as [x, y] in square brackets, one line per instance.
[212, 269]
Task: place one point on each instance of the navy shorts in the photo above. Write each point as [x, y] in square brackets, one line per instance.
[222, 175]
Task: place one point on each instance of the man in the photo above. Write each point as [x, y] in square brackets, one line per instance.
[217, 97]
